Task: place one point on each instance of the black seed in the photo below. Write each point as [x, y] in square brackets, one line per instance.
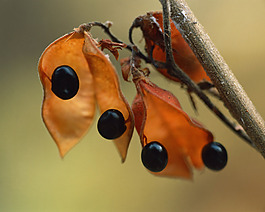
[111, 124]
[214, 156]
[65, 83]
[154, 156]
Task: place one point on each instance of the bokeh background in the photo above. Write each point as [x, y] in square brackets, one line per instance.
[91, 177]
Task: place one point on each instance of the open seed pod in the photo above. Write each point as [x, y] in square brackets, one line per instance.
[68, 118]
[159, 117]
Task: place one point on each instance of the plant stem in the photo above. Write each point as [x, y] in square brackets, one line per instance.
[231, 92]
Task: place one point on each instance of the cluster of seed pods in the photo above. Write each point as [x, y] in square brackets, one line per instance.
[76, 76]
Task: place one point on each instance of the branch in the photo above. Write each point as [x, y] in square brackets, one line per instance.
[106, 27]
[231, 92]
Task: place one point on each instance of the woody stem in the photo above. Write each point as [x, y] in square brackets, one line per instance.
[232, 93]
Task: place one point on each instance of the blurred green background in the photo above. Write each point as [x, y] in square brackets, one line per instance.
[91, 178]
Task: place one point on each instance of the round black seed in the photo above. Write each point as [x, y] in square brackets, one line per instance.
[154, 156]
[214, 156]
[65, 83]
[111, 124]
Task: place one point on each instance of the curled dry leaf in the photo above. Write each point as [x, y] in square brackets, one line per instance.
[68, 120]
[126, 64]
[113, 47]
[159, 117]
[152, 28]
[125, 68]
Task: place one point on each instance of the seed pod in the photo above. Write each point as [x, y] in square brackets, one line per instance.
[152, 28]
[159, 117]
[68, 119]
[107, 90]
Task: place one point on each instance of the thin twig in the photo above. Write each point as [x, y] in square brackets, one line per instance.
[106, 28]
[230, 90]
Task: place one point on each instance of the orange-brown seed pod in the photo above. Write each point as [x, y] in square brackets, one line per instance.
[107, 89]
[152, 28]
[159, 117]
[68, 119]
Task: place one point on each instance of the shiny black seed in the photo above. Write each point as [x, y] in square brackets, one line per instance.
[214, 156]
[111, 124]
[154, 156]
[65, 83]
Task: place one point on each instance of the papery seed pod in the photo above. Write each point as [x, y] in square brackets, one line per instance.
[159, 117]
[152, 28]
[107, 90]
[67, 120]
[66, 116]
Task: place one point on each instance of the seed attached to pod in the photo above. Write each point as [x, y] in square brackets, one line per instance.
[111, 124]
[65, 83]
[214, 156]
[154, 156]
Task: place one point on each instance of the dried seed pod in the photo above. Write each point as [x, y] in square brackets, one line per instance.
[107, 90]
[152, 28]
[68, 119]
[159, 117]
